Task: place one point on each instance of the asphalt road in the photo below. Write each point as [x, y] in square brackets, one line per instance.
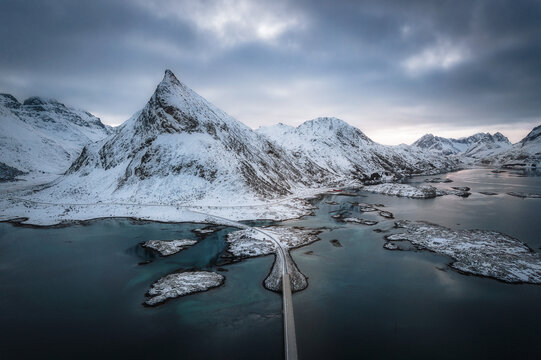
[290, 338]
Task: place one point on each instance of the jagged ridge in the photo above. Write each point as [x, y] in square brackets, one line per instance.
[43, 135]
[486, 149]
[347, 153]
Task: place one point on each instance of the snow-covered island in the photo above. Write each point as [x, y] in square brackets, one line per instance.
[168, 247]
[179, 284]
[256, 242]
[403, 190]
[358, 220]
[478, 252]
[422, 191]
[438, 180]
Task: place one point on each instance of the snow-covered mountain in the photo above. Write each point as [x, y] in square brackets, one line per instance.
[439, 144]
[532, 139]
[527, 151]
[347, 153]
[182, 149]
[486, 149]
[484, 145]
[43, 136]
[473, 148]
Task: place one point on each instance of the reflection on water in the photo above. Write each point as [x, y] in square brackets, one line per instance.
[77, 291]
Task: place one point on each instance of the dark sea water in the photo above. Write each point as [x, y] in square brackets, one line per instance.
[77, 292]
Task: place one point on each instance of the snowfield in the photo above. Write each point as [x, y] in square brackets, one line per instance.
[31, 212]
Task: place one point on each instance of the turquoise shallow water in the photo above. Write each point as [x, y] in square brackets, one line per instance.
[76, 292]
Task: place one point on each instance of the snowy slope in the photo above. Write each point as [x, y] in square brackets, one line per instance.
[527, 151]
[181, 149]
[43, 135]
[485, 145]
[486, 149]
[470, 149]
[346, 152]
[439, 144]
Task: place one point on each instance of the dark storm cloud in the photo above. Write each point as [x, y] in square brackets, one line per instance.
[500, 40]
[385, 63]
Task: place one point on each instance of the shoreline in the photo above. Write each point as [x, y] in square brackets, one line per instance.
[290, 207]
[42, 214]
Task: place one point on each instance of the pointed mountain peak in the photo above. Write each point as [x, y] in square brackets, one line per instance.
[425, 138]
[172, 92]
[174, 107]
[170, 84]
[170, 78]
[501, 137]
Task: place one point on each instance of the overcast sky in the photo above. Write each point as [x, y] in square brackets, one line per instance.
[396, 71]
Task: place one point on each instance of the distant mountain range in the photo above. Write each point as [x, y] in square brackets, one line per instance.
[467, 146]
[182, 149]
[486, 149]
[526, 151]
[43, 136]
[346, 152]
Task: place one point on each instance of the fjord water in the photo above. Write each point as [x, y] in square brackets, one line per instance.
[77, 291]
